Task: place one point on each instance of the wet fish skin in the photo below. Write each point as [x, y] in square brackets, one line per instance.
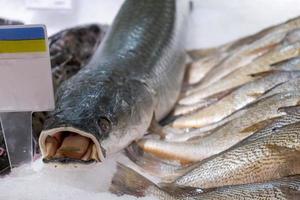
[197, 54]
[264, 159]
[251, 119]
[289, 65]
[282, 189]
[291, 116]
[227, 66]
[129, 78]
[185, 109]
[199, 69]
[288, 86]
[235, 100]
[127, 181]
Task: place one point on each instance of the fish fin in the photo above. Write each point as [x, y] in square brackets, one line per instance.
[221, 94]
[154, 166]
[169, 119]
[181, 191]
[290, 110]
[126, 181]
[275, 86]
[157, 148]
[216, 97]
[261, 74]
[280, 63]
[263, 49]
[255, 94]
[259, 125]
[197, 54]
[156, 128]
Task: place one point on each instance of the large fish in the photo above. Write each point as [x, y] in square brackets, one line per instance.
[135, 76]
[127, 181]
[247, 121]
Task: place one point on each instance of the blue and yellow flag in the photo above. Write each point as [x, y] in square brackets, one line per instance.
[22, 40]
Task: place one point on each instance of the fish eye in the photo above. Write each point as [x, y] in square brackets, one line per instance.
[104, 124]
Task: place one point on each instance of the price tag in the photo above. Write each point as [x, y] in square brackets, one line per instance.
[49, 4]
[25, 85]
[25, 71]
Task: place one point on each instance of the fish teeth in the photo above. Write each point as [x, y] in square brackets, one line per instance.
[51, 146]
[88, 153]
[94, 154]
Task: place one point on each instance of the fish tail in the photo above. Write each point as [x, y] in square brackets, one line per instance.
[128, 182]
[181, 192]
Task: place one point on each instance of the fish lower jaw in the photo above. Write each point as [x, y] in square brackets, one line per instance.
[66, 145]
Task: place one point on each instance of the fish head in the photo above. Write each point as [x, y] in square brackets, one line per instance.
[109, 120]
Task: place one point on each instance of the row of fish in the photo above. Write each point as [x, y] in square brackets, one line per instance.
[235, 131]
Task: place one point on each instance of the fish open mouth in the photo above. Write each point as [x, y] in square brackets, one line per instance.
[69, 145]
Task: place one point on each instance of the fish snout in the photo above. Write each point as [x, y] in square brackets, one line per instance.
[70, 145]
